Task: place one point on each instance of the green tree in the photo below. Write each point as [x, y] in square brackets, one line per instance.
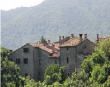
[54, 73]
[98, 74]
[42, 40]
[105, 47]
[9, 71]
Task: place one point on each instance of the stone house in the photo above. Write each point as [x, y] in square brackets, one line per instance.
[33, 58]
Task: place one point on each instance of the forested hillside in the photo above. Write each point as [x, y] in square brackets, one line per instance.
[53, 18]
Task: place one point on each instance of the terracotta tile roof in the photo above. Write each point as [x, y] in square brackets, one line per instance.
[41, 46]
[101, 39]
[55, 55]
[51, 48]
[71, 42]
[63, 40]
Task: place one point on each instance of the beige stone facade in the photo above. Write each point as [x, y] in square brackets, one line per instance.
[33, 58]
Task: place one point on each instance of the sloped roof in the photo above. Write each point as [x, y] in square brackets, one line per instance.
[101, 39]
[54, 48]
[71, 42]
[55, 55]
[41, 46]
[51, 48]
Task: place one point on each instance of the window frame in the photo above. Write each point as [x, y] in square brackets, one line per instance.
[26, 74]
[39, 62]
[25, 60]
[68, 74]
[55, 61]
[26, 50]
[67, 60]
[17, 60]
[67, 48]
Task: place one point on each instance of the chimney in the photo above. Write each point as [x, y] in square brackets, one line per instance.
[72, 35]
[97, 37]
[48, 41]
[80, 36]
[62, 37]
[10, 51]
[59, 38]
[85, 36]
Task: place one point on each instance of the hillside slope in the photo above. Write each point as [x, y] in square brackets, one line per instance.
[53, 18]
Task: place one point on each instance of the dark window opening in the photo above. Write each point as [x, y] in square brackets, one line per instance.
[55, 61]
[50, 54]
[39, 62]
[25, 50]
[67, 48]
[18, 61]
[26, 74]
[68, 74]
[25, 60]
[84, 47]
[67, 60]
[10, 59]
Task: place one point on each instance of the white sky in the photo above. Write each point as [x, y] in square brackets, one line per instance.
[12, 4]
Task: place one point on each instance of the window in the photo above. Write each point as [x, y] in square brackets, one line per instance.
[55, 61]
[39, 62]
[66, 48]
[68, 74]
[25, 50]
[10, 59]
[18, 61]
[67, 60]
[25, 60]
[26, 74]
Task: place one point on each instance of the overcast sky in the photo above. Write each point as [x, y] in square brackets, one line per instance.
[12, 4]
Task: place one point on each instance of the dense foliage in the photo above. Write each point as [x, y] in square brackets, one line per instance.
[54, 73]
[53, 18]
[9, 71]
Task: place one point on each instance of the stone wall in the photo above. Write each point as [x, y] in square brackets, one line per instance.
[79, 60]
[43, 59]
[53, 61]
[85, 47]
[24, 68]
[36, 63]
[68, 59]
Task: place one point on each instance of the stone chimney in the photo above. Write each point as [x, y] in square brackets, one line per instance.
[10, 51]
[72, 35]
[48, 41]
[62, 37]
[80, 36]
[85, 36]
[59, 38]
[97, 37]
